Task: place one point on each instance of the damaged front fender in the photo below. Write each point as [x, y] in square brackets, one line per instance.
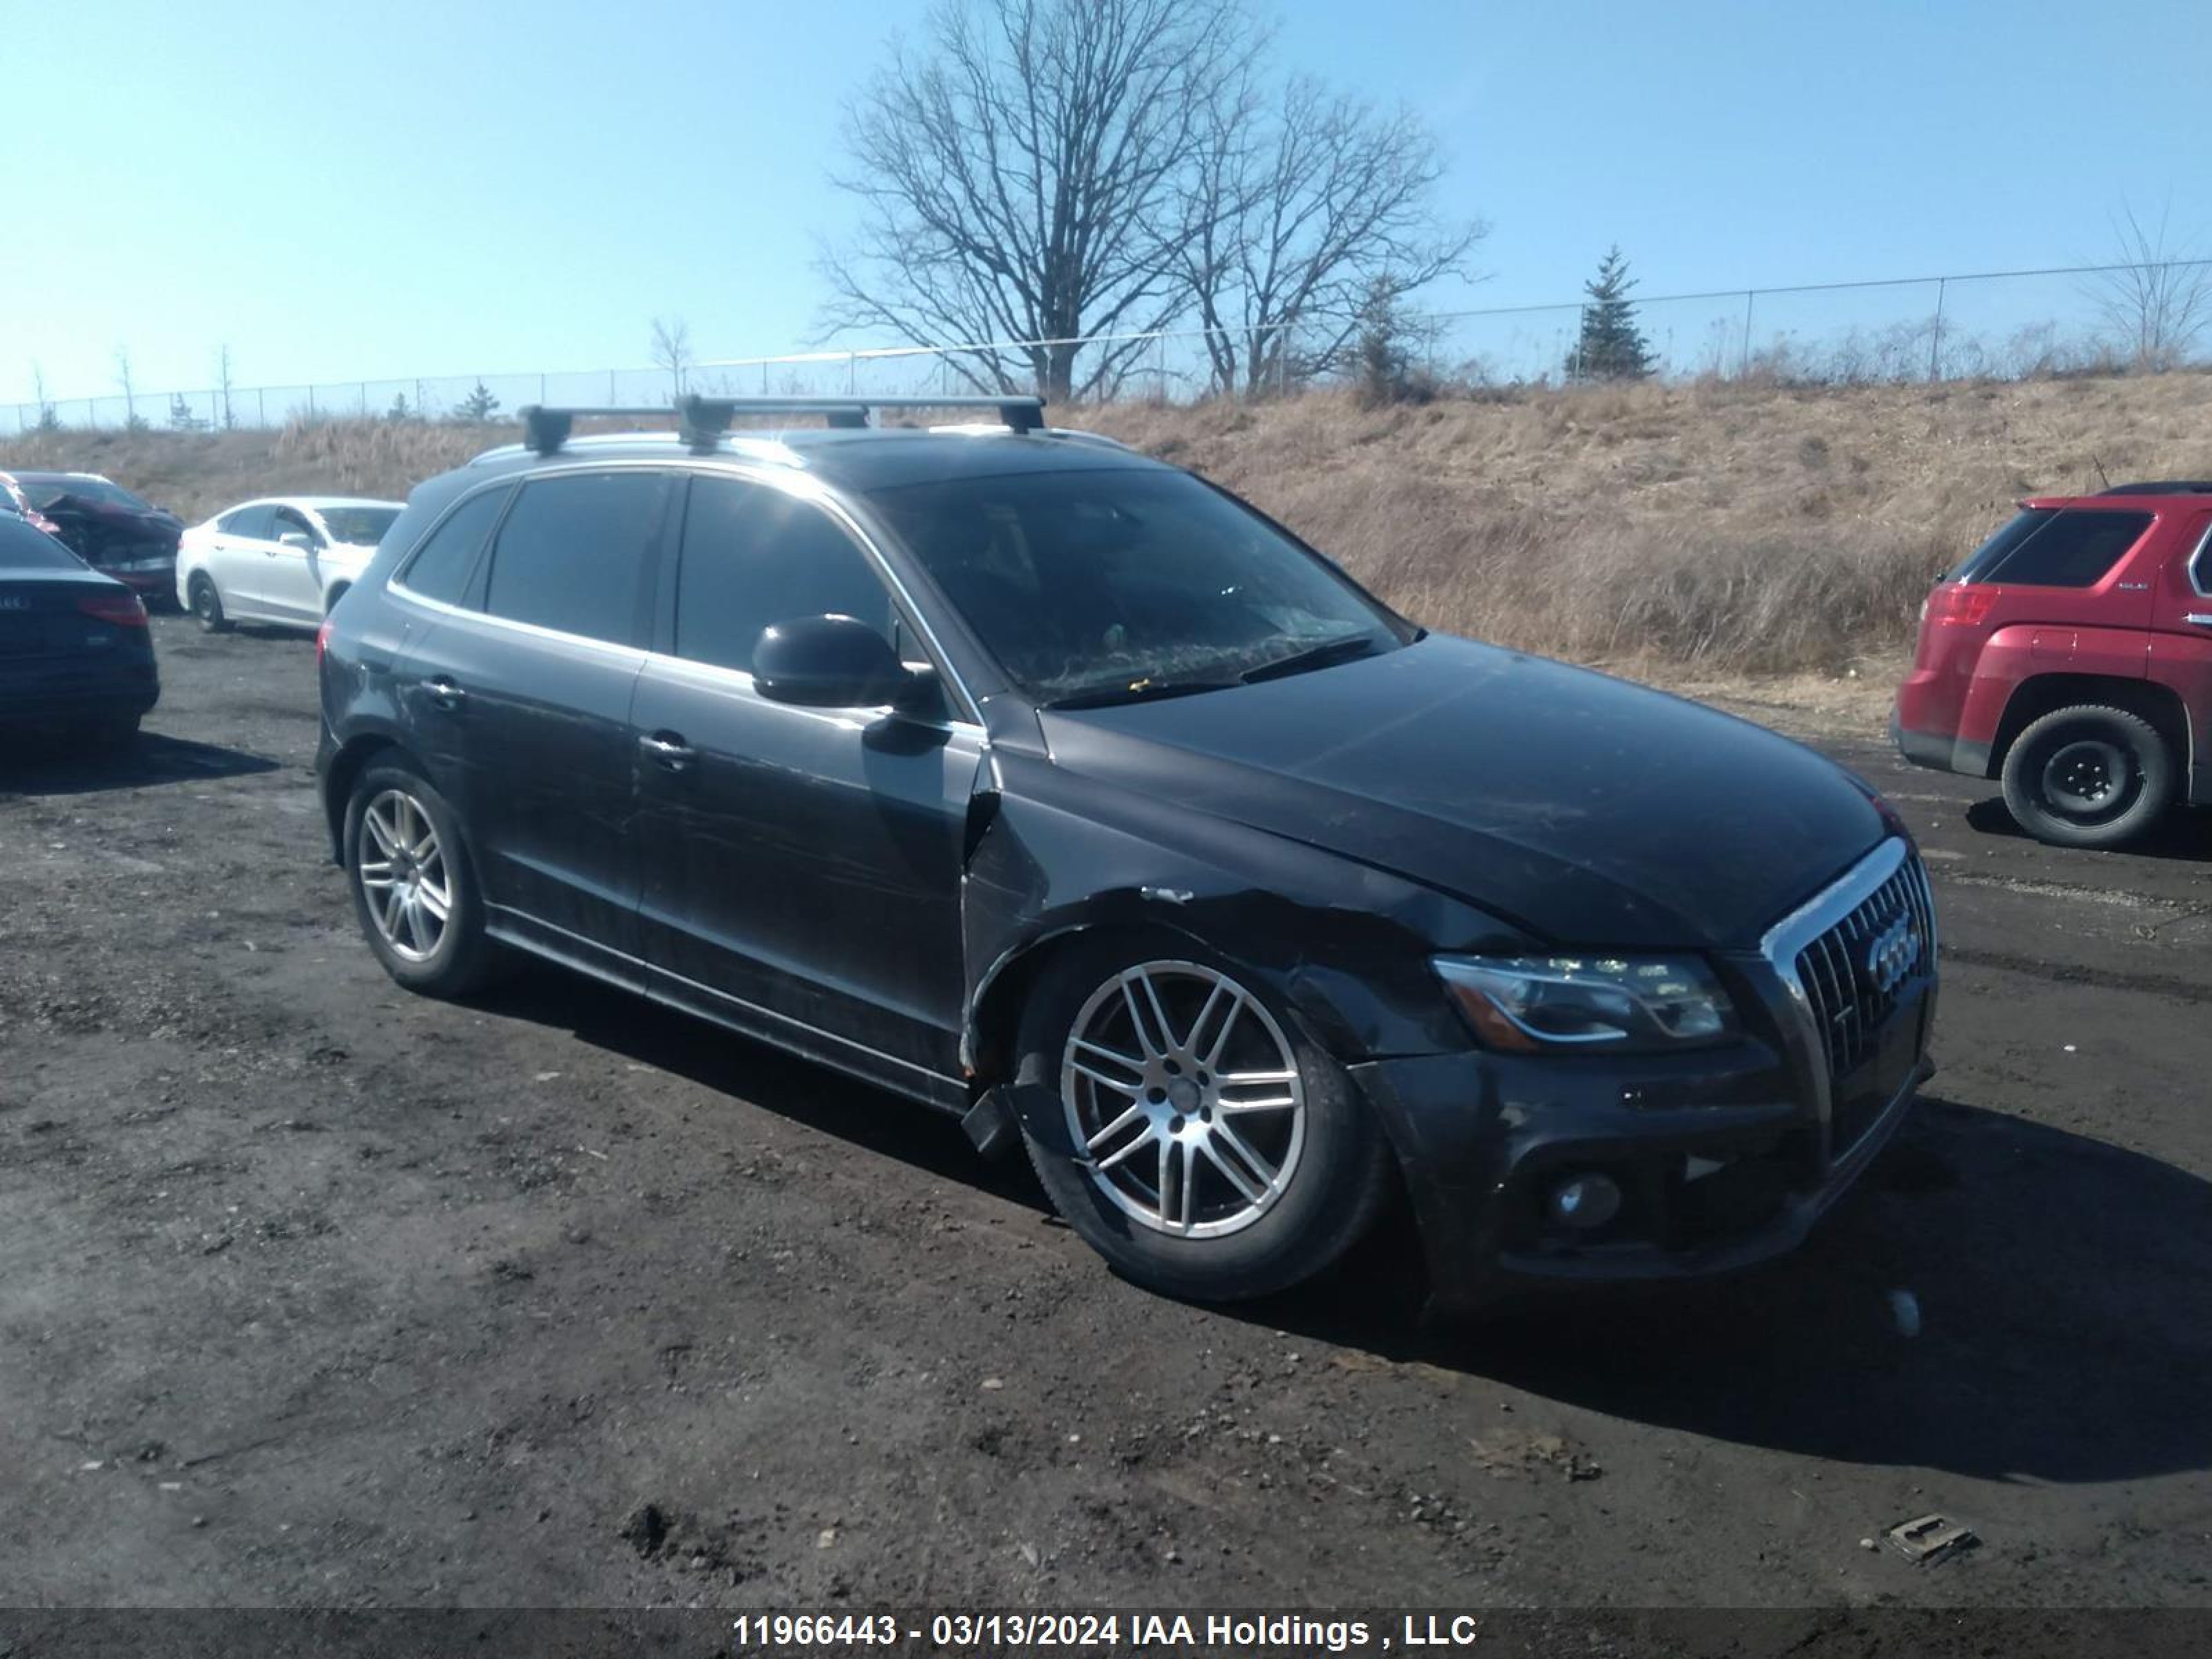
[1056, 855]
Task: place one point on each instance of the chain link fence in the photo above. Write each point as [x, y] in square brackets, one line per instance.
[2000, 324]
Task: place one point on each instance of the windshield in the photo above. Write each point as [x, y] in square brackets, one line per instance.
[44, 488]
[360, 526]
[1099, 582]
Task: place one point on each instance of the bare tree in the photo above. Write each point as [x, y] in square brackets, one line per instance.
[672, 349]
[1020, 180]
[130, 420]
[50, 418]
[2159, 300]
[222, 381]
[1304, 213]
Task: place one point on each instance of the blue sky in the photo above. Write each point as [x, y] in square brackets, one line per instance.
[449, 188]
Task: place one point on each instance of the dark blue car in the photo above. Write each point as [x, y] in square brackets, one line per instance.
[76, 657]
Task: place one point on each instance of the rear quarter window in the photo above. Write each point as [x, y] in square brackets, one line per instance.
[441, 567]
[2047, 547]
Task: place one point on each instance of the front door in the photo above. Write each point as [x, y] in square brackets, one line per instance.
[803, 862]
[292, 587]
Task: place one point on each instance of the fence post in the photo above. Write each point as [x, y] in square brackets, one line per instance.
[1744, 373]
[261, 404]
[1935, 343]
[852, 372]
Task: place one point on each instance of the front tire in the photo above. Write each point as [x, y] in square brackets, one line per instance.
[207, 603]
[1187, 1128]
[2088, 776]
[414, 885]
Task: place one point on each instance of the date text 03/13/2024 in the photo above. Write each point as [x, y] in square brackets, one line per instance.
[1105, 1632]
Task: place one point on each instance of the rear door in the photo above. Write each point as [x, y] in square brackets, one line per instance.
[523, 691]
[803, 862]
[2181, 640]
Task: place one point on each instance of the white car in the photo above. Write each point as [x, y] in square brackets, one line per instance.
[283, 559]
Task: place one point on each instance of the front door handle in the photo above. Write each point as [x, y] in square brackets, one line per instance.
[2199, 618]
[444, 693]
[668, 750]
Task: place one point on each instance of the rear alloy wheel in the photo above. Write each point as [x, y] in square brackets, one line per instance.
[207, 604]
[413, 889]
[1196, 1138]
[2088, 777]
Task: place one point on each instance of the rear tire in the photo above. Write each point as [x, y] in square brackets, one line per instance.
[414, 884]
[1250, 1199]
[2088, 776]
[207, 603]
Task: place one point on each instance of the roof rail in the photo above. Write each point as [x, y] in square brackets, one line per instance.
[703, 421]
[2162, 487]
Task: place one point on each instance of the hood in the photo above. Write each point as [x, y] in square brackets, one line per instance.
[1586, 809]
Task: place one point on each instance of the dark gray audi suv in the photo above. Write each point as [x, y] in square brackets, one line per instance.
[1053, 787]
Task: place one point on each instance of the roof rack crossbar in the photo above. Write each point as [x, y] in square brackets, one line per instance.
[703, 421]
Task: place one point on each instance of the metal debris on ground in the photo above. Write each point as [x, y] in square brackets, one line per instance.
[1930, 1539]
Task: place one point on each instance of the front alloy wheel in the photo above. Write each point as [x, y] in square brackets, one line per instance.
[1186, 1098]
[1184, 1123]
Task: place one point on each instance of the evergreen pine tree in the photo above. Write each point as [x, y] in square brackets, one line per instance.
[478, 407]
[1612, 346]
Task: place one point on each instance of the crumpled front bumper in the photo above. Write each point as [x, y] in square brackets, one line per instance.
[1725, 1158]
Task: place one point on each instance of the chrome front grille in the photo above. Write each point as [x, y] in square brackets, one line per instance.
[1854, 973]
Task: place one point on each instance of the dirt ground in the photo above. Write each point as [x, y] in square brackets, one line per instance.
[314, 1292]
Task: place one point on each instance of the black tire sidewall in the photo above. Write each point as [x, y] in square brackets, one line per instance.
[463, 956]
[1333, 1196]
[213, 619]
[2025, 761]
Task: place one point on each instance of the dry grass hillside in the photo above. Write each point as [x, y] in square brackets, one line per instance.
[1697, 529]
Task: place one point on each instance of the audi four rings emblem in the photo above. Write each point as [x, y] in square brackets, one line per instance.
[1893, 953]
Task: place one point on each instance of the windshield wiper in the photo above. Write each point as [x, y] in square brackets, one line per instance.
[1317, 656]
[1104, 697]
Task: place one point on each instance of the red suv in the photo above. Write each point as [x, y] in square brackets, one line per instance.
[2071, 656]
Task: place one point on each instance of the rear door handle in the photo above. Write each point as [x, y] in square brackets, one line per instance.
[668, 750]
[443, 692]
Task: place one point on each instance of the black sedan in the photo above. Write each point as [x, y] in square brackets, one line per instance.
[1053, 787]
[110, 529]
[76, 658]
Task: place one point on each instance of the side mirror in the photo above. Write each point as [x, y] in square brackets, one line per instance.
[827, 662]
[298, 538]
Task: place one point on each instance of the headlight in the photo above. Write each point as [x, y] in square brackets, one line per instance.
[1530, 1004]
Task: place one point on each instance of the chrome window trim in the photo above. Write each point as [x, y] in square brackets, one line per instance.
[609, 647]
[2196, 567]
[800, 486]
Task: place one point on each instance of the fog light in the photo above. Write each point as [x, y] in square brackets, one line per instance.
[1585, 1201]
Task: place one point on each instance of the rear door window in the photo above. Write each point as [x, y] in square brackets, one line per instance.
[442, 568]
[572, 553]
[2072, 547]
[754, 556]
